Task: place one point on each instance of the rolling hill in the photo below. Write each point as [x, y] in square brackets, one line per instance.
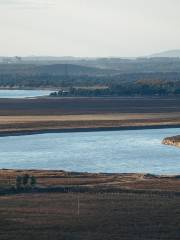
[167, 54]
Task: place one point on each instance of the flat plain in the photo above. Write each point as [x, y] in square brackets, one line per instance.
[111, 206]
[61, 114]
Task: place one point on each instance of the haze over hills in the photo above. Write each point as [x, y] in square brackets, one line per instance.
[38, 58]
[102, 62]
[54, 70]
[115, 76]
[167, 54]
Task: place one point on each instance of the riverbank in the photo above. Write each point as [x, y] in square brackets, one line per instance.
[46, 115]
[173, 141]
[29, 125]
[53, 180]
[94, 129]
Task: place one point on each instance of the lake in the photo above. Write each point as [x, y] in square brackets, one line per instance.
[115, 151]
[23, 93]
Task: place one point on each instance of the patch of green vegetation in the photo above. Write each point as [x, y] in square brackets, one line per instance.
[25, 181]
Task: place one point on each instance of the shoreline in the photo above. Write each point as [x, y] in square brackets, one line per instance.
[76, 174]
[172, 141]
[91, 129]
[66, 181]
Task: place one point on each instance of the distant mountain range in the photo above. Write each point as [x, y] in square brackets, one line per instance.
[167, 54]
[78, 60]
[91, 67]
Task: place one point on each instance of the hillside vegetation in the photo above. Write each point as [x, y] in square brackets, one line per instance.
[154, 76]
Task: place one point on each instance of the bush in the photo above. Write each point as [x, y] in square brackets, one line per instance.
[33, 181]
[18, 182]
[25, 179]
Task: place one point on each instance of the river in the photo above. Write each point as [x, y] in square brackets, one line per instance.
[126, 151]
[23, 93]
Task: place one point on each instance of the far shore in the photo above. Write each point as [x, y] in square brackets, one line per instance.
[76, 130]
[59, 115]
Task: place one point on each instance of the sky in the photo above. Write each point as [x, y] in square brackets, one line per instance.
[88, 28]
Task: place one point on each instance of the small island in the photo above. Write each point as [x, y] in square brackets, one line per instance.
[174, 141]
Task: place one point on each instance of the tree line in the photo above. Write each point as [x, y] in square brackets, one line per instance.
[14, 80]
[138, 88]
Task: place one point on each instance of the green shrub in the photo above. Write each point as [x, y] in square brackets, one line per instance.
[33, 181]
[26, 179]
[18, 182]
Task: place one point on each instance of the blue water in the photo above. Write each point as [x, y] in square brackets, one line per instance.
[120, 151]
[23, 93]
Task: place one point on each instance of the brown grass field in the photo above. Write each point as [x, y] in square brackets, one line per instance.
[76, 106]
[55, 216]
[114, 206]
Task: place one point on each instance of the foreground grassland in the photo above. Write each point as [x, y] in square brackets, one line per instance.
[61, 114]
[99, 216]
[112, 206]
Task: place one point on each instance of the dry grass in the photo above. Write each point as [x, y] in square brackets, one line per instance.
[100, 216]
[121, 181]
[83, 106]
[125, 215]
[87, 117]
[9, 125]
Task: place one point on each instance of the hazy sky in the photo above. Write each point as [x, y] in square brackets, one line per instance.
[89, 27]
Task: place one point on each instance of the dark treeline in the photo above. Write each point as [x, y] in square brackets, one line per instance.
[46, 80]
[139, 88]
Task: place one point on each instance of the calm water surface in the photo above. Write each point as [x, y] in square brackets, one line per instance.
[120, 151]
[23, 93]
